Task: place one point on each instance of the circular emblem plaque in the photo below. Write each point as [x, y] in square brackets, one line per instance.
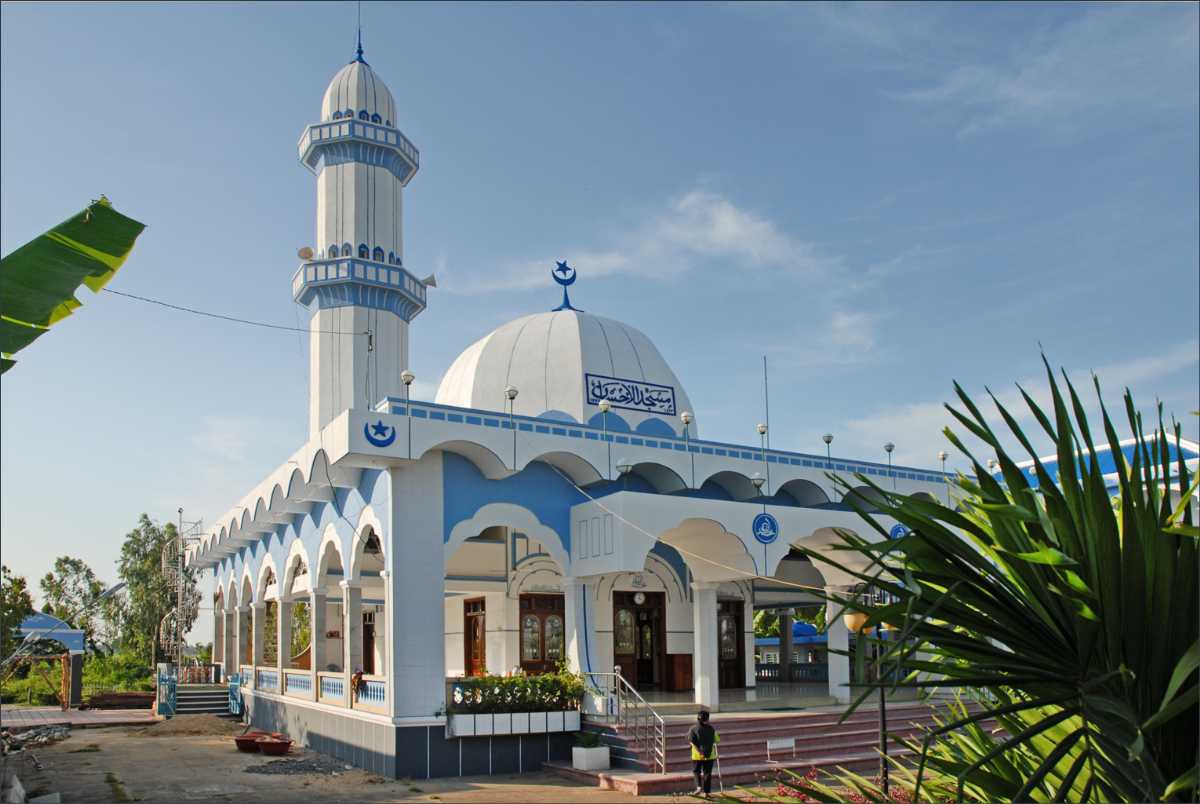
[897, 531]
[766, 528]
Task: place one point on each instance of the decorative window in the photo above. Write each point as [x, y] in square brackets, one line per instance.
[375, 118]
[391, 258]
[363, 115]
[554, 638]
[388, 123]
[337, 115]
[346, 252]
[727, 638]
[348, 114]
[531, 638]
[333, 250]
[364, 253]
[377, 254]
[623, 635]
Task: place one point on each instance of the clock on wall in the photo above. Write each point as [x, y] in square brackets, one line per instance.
[639, 598]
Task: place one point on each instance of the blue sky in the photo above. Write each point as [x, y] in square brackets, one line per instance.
[881, 199]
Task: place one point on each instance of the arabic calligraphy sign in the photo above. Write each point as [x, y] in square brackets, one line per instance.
[647, 397]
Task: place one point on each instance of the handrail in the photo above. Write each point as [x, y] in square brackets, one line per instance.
[632, 713]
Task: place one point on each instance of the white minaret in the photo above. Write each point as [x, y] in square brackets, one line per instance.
[361, 297]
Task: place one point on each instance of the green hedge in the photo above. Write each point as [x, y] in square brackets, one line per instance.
[549, 692]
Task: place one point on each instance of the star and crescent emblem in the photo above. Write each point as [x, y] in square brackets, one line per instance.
[379, 434]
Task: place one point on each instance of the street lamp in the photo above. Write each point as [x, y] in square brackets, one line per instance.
[828, 439]
[624, 467]
[888, 447]
[854, 622]
[942, 457]
[762, 440]
[407, 378]
[686, 417]
[605, 406]
[510, 393]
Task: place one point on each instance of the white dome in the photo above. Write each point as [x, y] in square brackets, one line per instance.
[356, 89]
[562, 363]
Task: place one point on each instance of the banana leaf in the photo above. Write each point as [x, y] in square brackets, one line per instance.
[38, 281]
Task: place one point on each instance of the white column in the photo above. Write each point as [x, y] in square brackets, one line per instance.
[785, 645]
[704, 655]
[839, 665]
[384, 666]
[243, 638]
[351, 633]
[577, 621]
[316, 629]
[218, 643]
[416, 589]
[259, 615]
[229, 653]
[283, 641]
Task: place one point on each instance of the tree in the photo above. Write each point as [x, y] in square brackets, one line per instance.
[15, 606]
[149, 593]
[766, 624]
[72, 594]
[1067, 614]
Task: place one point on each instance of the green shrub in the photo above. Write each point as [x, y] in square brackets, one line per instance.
[549, 692]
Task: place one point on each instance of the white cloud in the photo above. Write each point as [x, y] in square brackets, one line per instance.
[916, 428]
[690, 231]
[1112, 58]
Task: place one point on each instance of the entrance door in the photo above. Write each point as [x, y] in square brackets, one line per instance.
[639, 643]
[731, 665]
[475, 636]
[543, 635]
[368, 646]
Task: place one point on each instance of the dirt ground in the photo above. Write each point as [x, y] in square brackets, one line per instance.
[125, 764]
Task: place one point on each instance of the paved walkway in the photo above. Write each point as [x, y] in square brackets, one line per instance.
[21, 717]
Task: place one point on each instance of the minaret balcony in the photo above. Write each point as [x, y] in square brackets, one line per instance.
[347, 281]
[339, 141]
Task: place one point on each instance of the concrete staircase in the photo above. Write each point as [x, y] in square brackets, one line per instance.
[200, 699]
[821, 742]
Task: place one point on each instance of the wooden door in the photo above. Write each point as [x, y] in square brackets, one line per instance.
[542, 633]
[368, 643]
[638, 639]
[731, 665]
[475, 636]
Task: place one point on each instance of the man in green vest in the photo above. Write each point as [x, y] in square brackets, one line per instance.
[703, 739]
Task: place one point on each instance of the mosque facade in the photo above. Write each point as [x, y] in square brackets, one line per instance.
[554, 505]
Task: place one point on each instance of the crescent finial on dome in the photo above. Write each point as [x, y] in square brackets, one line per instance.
[564, 275]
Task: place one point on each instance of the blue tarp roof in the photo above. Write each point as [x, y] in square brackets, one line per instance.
[802, 634]
[47, 626]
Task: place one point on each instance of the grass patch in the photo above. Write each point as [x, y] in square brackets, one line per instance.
[119, 793]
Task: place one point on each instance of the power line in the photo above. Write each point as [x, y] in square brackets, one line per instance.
[234, 319]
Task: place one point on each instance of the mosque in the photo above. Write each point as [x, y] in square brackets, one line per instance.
[555, 503]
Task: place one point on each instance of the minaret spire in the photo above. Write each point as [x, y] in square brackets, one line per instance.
[359, 56]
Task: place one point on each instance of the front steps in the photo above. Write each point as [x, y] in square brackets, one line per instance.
[201, 699]
[821, 742]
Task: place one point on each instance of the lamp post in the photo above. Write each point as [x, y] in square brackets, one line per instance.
[510, 394]
[624, 467]
[942, 457]
[888, 447]
[854, 622]
[407, 378]
[605, 406]
[686, 418]
[762, 440]
[828, 439]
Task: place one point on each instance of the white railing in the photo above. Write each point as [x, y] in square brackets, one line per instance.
[331, 687]
[612, 699]
[246, 674]
[371, 694]
[297, 683]
[266, 679]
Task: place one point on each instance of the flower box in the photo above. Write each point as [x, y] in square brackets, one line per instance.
[485, 725]
[590, 759]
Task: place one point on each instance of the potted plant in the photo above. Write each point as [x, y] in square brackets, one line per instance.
[589, 753]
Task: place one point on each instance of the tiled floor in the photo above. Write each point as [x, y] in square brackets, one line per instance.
[26, 717]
